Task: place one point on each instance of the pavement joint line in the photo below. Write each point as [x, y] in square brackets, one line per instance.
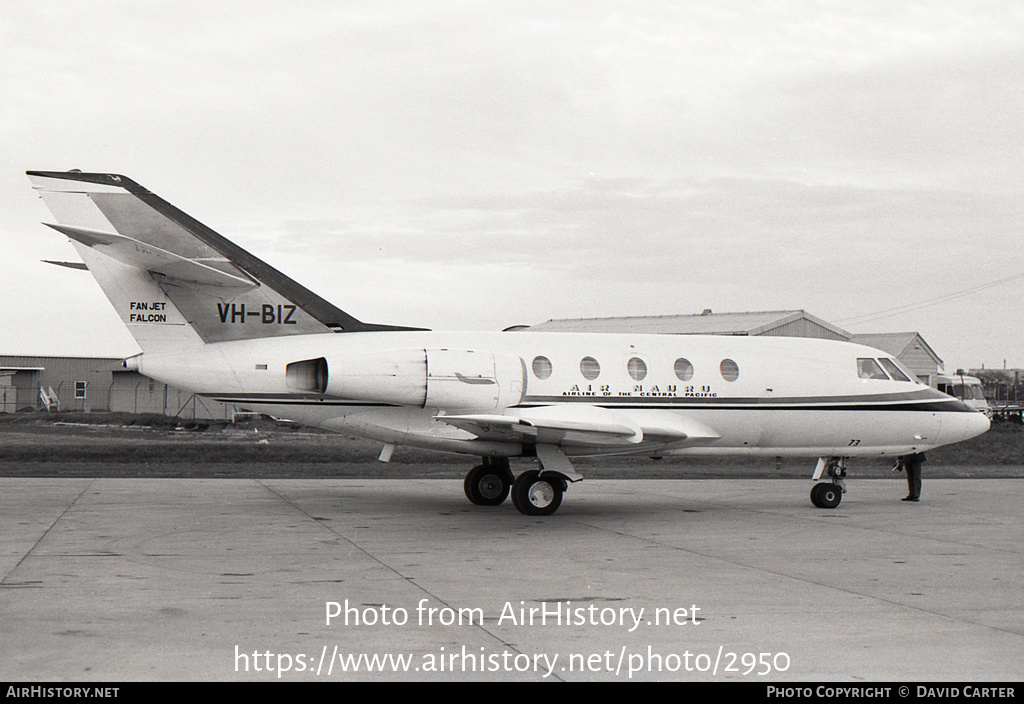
[382, 563]
[47, 531]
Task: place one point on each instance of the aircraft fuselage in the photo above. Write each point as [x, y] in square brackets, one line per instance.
[686, 394]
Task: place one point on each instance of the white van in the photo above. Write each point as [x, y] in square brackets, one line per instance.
[966, 388]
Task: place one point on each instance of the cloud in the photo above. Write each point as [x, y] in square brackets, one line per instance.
[628, 246]
[511, 159]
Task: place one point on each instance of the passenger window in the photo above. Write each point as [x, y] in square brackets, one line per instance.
[683, 369]
[894, 371]
[590, 368]
[868, 369]
[730, 370]
[637, 368]
[541, 367]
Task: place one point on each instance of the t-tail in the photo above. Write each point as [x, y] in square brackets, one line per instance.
[175, 282]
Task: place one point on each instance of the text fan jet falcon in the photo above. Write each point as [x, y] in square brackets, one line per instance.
[215, 320]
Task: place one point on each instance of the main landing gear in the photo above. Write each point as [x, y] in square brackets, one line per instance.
[488, 484]
[828, 494]
[534, 492]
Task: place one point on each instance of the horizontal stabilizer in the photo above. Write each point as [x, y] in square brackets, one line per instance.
[159, 262]
[69, 265]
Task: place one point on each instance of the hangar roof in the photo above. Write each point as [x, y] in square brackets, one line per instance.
[706, 323]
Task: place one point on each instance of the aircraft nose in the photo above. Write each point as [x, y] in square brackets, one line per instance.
[981, 425]
[964, 426]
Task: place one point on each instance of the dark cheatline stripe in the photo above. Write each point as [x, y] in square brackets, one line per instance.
[925, 395]
[286, 401]
[890, 403]
[924, 400]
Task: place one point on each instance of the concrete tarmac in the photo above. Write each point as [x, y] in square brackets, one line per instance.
[196, 579]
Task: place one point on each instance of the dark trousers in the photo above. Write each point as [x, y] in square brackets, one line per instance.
[912, 465]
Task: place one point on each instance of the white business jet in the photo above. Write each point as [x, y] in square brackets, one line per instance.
[213, 319]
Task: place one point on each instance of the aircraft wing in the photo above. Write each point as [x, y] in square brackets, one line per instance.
[582, 426]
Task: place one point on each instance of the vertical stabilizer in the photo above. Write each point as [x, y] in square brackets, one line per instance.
[175, 282]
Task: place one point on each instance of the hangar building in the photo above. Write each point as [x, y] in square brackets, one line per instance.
[94, 384]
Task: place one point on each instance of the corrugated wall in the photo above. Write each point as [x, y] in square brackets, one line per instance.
[79, 383]
[95, 384]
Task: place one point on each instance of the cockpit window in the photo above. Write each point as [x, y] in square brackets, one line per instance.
[868, 368]
[906, 370]
[894, 371]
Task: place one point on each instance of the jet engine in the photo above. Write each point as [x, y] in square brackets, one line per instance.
[426, 378]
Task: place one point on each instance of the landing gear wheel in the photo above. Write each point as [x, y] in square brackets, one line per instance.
[814, 495]
[826, 495]
[534, 495]
[487, 485]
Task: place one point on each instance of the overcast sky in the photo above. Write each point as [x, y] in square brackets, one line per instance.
[472, 165]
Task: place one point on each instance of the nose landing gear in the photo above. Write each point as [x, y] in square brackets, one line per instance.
[826, 495]
[829, 494]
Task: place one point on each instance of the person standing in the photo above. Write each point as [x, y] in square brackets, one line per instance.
[912, 464]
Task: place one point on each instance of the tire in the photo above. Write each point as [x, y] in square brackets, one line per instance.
[826, 495]
[487, 485]
[534, 495]
[814, 496]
